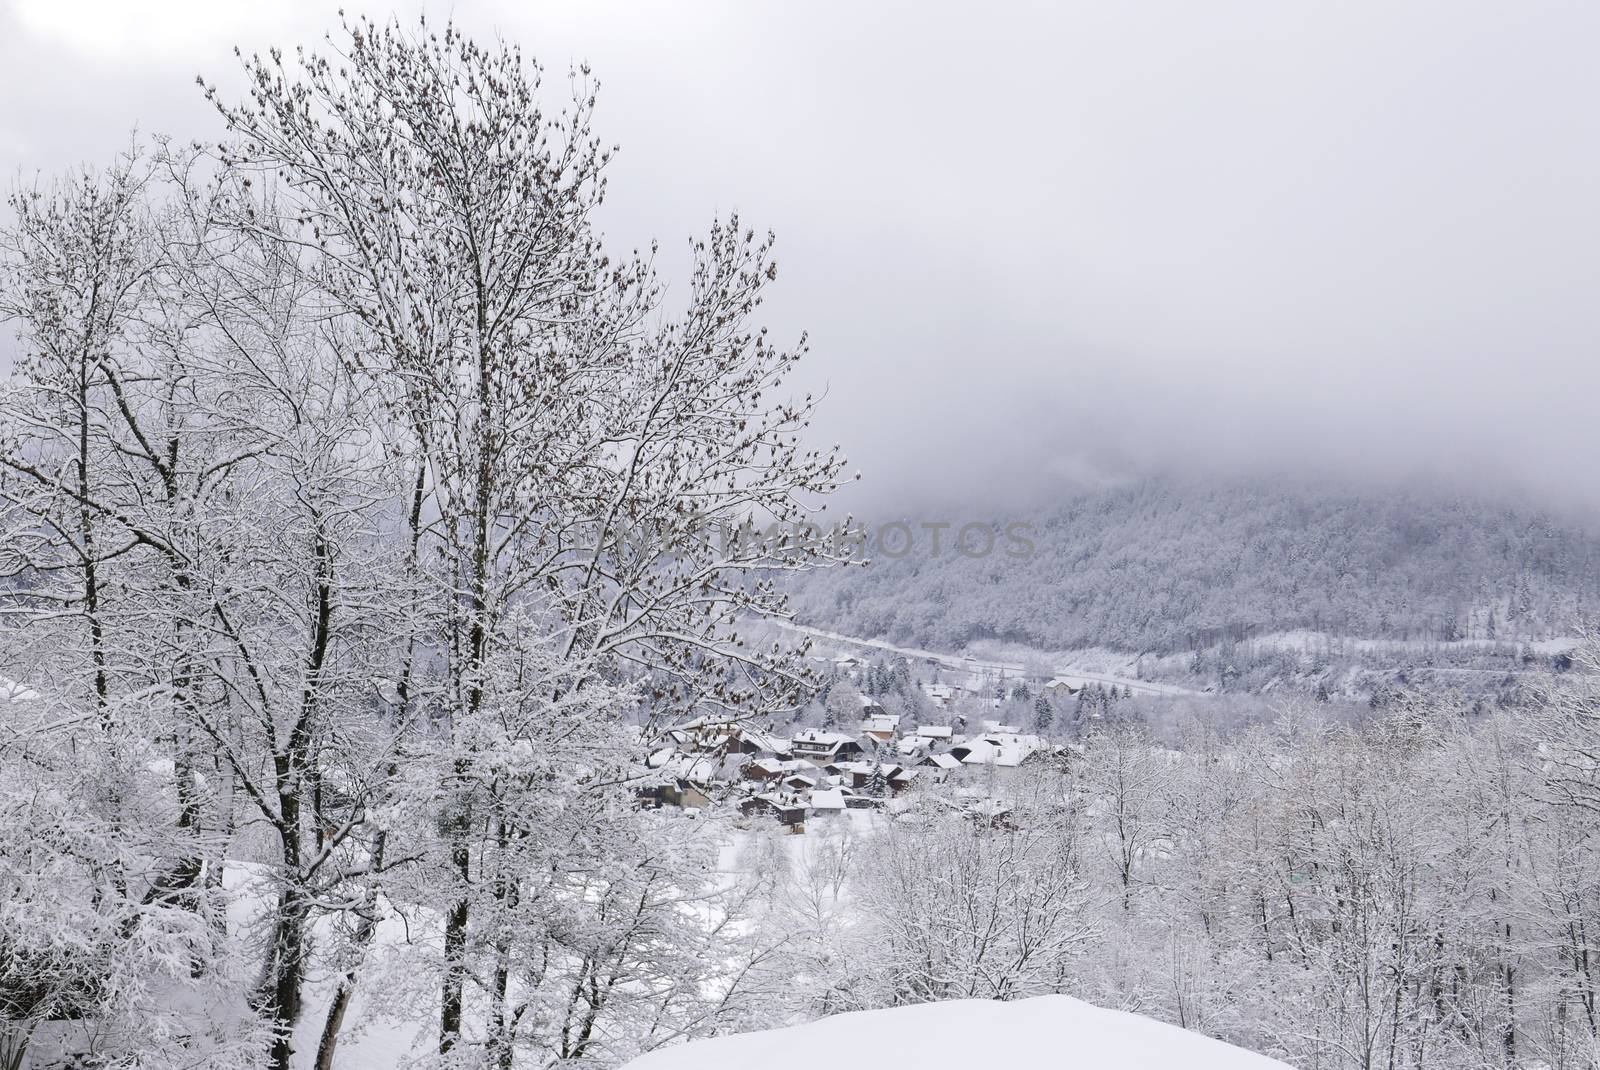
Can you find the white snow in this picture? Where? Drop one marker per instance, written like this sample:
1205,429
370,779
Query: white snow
1047,1032
986,670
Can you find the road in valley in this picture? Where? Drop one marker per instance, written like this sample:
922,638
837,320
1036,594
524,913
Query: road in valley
959,663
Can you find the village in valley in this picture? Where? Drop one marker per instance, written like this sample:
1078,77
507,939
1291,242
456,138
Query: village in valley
878,730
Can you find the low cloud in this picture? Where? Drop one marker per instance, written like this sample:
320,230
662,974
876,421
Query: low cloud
1044,245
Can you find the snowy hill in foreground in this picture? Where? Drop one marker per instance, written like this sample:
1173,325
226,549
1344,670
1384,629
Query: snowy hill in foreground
1054,1032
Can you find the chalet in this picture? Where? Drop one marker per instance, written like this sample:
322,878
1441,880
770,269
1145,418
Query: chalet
827,802
790,810
999,749
764,769
939,694
982,809
941,765
991,813
723,735
1061,687
673,791
823,746
882,727
859,774
913,746
935,733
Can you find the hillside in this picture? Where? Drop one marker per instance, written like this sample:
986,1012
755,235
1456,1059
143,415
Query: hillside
1161,565
1047,1031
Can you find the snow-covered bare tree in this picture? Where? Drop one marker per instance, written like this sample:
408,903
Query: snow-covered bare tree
573,451
980,903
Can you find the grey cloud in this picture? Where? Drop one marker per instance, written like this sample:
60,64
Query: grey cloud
1041,243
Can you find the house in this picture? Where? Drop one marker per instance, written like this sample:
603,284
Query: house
913,746
882,727
991,813
764,769
706,771
673,791
940,765
1061,687
982,809
724,735
827,802
935,733
687,779
939,694
790,810
821,745
859,774
999,749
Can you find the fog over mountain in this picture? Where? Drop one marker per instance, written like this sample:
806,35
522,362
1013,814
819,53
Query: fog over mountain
1043,246
1161,565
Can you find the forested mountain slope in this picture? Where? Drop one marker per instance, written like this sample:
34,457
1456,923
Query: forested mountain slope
1160,565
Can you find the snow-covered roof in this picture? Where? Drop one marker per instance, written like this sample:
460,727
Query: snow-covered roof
827,799
698,768
781,800
882,722
998,748
934,731
710,732
12,691
817,737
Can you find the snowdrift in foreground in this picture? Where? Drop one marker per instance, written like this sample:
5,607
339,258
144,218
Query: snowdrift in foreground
1047,1032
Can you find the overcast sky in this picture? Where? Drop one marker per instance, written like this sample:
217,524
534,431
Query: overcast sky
1043,243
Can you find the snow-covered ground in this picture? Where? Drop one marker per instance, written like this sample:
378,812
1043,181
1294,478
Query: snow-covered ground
1072,673
1303,640
1054,1032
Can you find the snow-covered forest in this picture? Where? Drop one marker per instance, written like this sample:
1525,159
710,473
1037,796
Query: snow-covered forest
1164,564
375,690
